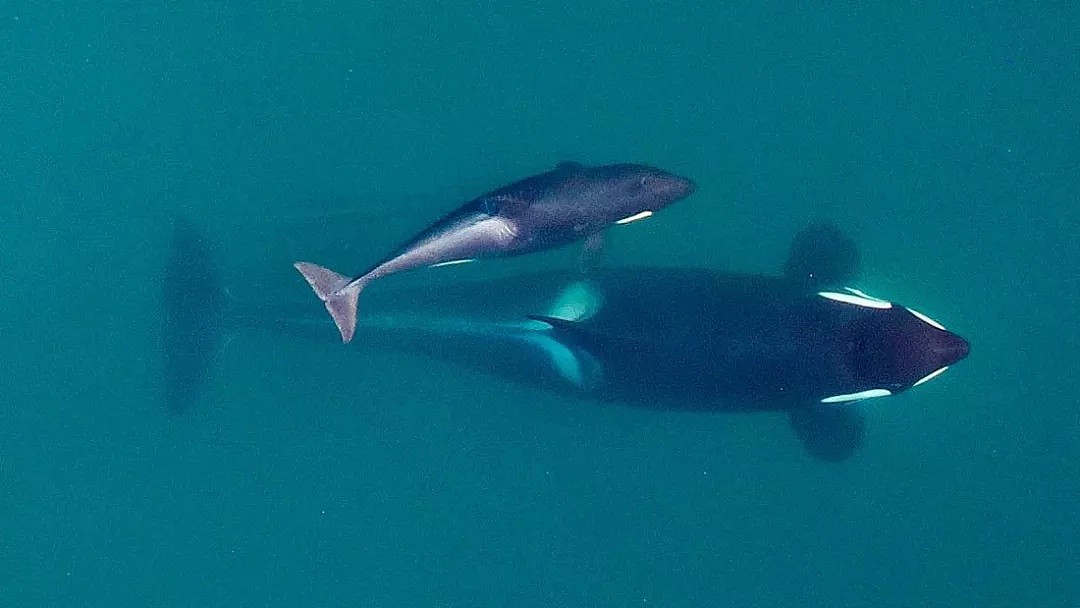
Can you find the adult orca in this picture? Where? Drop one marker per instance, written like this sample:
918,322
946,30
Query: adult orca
663,338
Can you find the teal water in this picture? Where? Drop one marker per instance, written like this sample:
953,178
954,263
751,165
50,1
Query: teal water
944,139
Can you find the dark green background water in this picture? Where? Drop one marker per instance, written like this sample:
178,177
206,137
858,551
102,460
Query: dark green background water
943,139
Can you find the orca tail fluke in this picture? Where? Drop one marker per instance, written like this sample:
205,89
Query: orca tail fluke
192,313
338,293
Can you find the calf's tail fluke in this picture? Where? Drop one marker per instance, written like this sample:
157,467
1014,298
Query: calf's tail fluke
338,292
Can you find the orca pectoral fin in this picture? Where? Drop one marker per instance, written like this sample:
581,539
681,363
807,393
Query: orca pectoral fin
831,434
592,252
822,256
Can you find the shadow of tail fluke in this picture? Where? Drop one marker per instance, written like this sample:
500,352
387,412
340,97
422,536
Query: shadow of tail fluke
191,299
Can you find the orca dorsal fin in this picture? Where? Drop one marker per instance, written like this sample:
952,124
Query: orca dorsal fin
569,350
505,204
557,323
572,330
822,256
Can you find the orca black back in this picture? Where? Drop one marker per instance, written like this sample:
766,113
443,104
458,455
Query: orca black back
695,339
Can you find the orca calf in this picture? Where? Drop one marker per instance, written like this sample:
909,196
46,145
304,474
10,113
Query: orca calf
568,203
662,338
